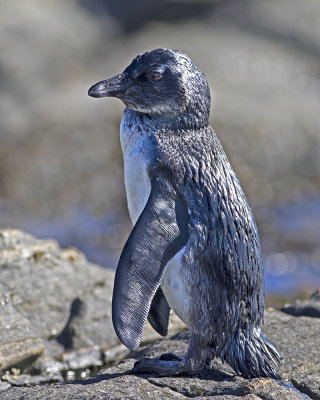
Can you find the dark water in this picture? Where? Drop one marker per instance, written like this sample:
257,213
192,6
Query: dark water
288,274
293,264
291,259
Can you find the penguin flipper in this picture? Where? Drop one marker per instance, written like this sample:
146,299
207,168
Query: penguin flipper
160,232
159,313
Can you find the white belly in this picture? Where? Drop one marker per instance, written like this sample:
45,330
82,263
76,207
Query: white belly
174,287
135,147
135,152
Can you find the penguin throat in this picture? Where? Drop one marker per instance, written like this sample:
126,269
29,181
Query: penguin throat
186,120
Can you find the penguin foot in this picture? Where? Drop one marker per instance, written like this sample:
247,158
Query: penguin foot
157,366
163,367
170,357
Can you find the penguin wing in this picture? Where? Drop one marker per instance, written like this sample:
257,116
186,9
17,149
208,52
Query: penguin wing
160,232
159,313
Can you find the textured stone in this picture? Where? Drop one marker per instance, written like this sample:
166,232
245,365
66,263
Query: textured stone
4,386
306,378
293,336
46,282
297,338
28,380
83,358
54,300
19,343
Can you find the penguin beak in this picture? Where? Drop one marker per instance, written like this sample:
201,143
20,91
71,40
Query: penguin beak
112,87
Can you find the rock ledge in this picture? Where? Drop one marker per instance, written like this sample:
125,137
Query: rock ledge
55,317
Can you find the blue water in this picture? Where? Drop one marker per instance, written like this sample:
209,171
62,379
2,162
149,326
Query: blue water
292,263
288,273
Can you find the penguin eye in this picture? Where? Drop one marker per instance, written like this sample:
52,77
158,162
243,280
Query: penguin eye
156,75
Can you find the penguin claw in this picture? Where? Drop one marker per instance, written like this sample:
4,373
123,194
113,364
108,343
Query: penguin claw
141,361
170,357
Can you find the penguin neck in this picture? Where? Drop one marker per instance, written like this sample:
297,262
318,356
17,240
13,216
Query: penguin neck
175,121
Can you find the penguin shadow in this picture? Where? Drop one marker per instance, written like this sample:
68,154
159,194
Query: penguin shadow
206,375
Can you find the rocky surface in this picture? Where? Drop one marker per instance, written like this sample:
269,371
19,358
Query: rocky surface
55,304
55,319
297,338
19,343
55,310
51,290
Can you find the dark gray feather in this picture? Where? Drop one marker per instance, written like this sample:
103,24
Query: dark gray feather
159,313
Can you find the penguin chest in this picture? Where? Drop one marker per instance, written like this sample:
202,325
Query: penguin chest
135,148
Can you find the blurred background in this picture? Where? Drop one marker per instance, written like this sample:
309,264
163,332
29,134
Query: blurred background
61,171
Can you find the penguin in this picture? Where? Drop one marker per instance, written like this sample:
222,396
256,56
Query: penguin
194,247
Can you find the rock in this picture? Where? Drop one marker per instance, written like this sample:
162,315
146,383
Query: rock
116,353
4,386
47,365
56,306
297,339
306,378
308,308
84,358
55,300
28,380
46,283
19,343
57,303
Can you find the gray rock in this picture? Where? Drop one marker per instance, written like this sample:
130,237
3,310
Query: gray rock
47,365
297,339
57,303
19,343
4,386
55,300
306,378
42,278
84,358
28,380
308,308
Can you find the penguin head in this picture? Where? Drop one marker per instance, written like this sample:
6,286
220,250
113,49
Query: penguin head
161,82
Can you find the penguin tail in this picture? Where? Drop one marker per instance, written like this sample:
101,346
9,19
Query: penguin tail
252,356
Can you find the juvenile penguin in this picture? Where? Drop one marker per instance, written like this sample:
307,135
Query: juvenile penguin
194,247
